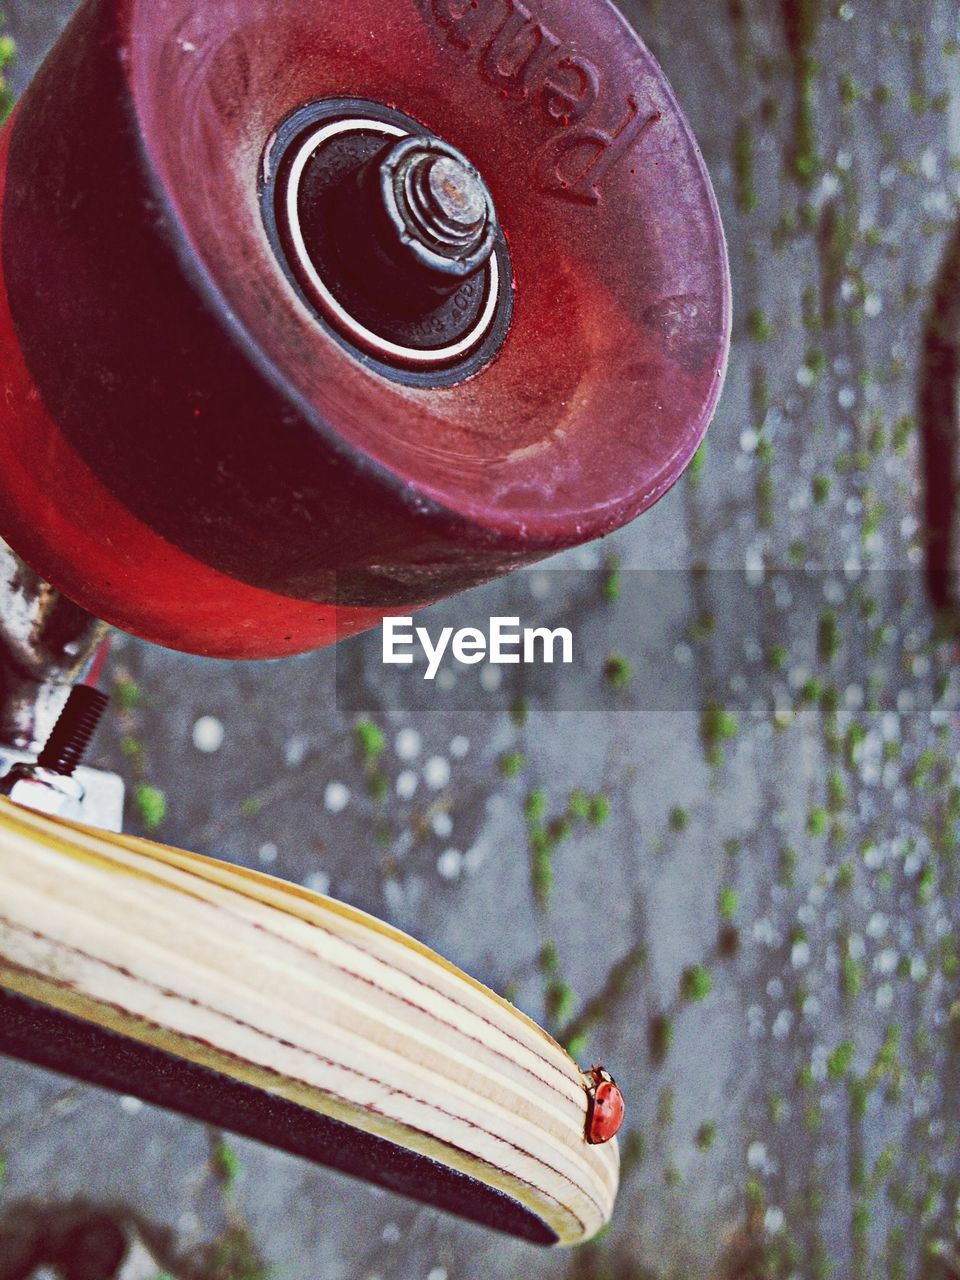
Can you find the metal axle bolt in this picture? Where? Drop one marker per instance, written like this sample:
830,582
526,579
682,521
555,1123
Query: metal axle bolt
439,210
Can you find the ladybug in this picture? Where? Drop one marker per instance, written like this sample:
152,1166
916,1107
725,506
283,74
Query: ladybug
606,1106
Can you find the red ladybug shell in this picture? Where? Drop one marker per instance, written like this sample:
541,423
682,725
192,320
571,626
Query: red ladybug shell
606,1113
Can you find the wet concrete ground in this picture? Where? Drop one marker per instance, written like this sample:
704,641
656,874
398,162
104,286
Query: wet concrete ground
782,826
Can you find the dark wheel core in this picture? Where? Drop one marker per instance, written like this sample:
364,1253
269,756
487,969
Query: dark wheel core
392,238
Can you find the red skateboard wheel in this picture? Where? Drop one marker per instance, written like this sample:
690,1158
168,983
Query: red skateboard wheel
214,445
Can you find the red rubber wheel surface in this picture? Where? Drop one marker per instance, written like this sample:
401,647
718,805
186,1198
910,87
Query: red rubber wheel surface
193,456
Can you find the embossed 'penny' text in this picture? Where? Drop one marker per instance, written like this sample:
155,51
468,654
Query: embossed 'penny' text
530,63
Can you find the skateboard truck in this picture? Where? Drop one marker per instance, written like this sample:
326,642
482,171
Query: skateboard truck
46,717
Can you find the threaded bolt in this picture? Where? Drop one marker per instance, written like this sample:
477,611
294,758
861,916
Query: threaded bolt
73,732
